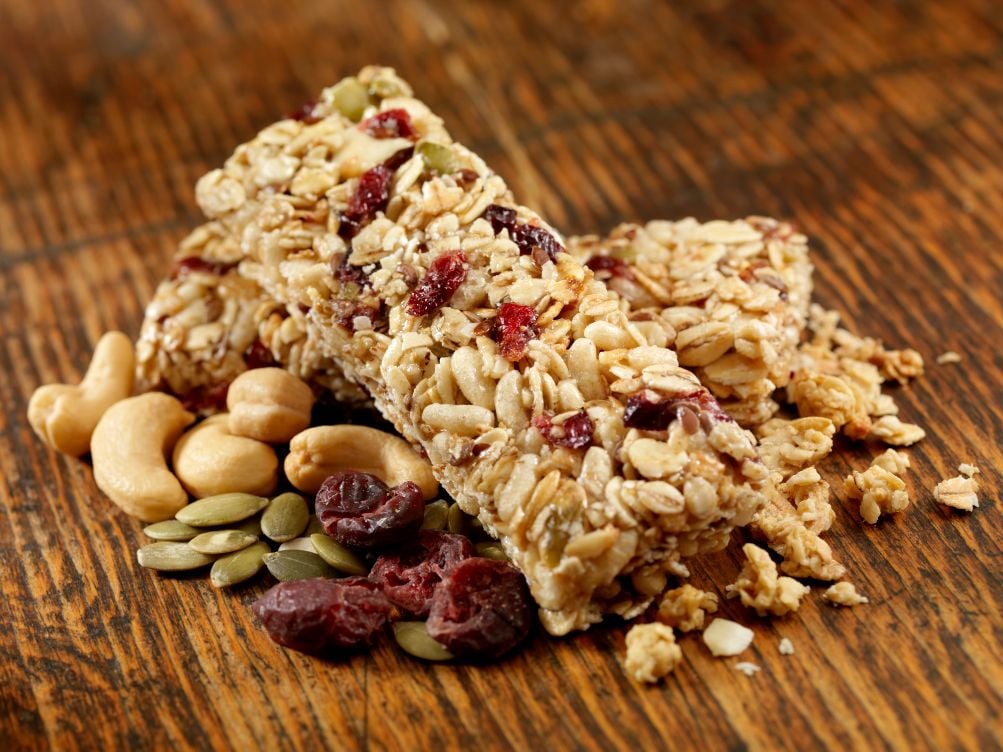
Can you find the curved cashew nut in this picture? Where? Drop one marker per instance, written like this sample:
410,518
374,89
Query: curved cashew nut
64,416
209,460
318,452
268,404
129,448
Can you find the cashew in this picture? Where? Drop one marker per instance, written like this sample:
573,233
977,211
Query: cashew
318,452
209,460
268,404
129,448
64,416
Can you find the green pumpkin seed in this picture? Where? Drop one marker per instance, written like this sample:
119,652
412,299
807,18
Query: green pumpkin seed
458,521
224,509
170,530
313,527
297,565
436,514
386,88
437,157
298,544
414,639
239,566
222,541
285,517
251,525
350,97
491,550
171,556
338,556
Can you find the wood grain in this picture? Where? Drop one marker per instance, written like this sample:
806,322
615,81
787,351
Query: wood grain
876,126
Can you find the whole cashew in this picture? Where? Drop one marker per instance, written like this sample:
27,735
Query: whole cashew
129,448
64,416
318,452
268,404
209,460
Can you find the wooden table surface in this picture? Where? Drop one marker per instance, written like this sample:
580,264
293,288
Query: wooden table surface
877,127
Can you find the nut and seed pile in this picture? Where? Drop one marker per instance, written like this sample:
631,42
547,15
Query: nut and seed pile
597,410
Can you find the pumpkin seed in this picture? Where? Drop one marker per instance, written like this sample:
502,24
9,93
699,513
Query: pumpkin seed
491,550
298,544
285,517
436,514
350,97
222,541
224,509
239,566
297,565
251,525
313,526
171,556
458,521
170,530
438,157
414,639
338,556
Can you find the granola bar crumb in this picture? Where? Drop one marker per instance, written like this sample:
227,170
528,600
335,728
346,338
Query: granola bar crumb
948,358
959,492
804,552
891,430
760,588
652,652
844,594
685,608
878,488
726,638
967,470
810,496
786,647
748,668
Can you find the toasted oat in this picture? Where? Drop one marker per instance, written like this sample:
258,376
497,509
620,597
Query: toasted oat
686,607
748,668
879,489
787,446
892,461
786,647
967,470
960,492
893,431
948,358
844,594
652,652
804,553
810,496
760,588
726,638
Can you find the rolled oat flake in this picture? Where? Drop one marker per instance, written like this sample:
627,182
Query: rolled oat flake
224,509
171,556
239,566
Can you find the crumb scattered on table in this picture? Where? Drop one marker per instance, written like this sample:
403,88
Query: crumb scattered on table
747,668
948,357
652,652
760,588
959,492
686,607
844,594
786,647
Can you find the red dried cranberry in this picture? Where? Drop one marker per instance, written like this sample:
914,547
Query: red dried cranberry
319,615
481,609
370,197
208,397
524,235
305,112
515,326
410,576
395,160
259,356
607,267
441,280
649,412
194,264
358,509
389,124
574,433
347,273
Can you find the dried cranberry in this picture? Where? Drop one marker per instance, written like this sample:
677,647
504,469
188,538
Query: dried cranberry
389,124
194,264
371,196
610,266
206,398
259,356
358,509
347,273
305,112
320,615
410,576
481,609
649,412
395,160
441,280
575,432
515,326
524,235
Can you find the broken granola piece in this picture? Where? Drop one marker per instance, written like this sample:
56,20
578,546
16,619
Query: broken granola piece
879,490
831,397
804,553
891,430
725,638
960,492
809,494
686,607
652,652
787,446
843,594
892,461
761,589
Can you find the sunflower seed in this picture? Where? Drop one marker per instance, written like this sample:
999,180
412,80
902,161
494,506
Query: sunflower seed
238,567
297,565
224,509
170,556
435,515
285,517
491,551
298,544
170,530
338,556
222,541
414,639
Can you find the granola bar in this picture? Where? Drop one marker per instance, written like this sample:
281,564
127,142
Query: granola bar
730,297
590,453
